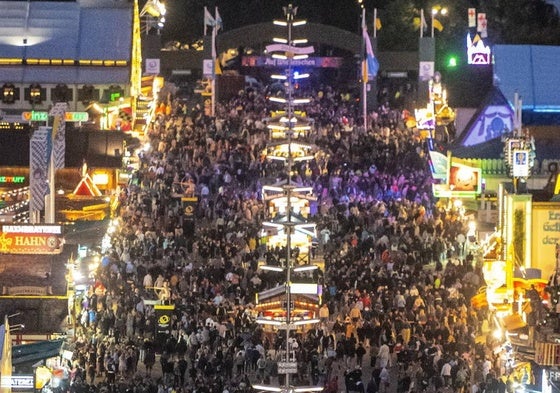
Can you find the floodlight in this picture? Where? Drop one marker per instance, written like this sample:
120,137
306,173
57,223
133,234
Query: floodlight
262,321
302,389
272,268
306,322
305,268
267,388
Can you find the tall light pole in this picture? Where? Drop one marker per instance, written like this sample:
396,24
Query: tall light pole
427,54
438,10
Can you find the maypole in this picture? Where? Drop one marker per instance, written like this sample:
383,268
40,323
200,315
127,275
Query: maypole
136,61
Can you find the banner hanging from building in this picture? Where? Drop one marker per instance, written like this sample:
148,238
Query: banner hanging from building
315,62
38,186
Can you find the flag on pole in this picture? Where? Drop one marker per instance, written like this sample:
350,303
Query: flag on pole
370,63
219,22
420,23
58,146
217,67
38,168
376,23
437,24
472,17
424,24
219,25
482,25
208,20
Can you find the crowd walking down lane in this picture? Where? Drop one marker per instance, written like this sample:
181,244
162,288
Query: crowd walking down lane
396,315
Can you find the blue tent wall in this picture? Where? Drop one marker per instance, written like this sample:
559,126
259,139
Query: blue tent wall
532,72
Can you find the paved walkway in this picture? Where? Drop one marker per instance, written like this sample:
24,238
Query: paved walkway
339,369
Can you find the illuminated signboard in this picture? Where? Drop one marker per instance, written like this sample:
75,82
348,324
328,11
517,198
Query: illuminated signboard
463,178
76,116
463,182
101,179
438,165
32,229
302,288
518,154
520,163
26,243
34,116
315,62
477,52
545,229
44,116
31,239
22,382
12,179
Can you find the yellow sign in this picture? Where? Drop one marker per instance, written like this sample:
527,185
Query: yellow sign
557,185
546,235
24,243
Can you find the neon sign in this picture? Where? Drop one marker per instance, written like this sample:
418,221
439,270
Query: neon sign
44,116
477,52
12,179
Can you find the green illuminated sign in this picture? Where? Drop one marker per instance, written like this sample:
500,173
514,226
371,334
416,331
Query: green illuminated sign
44,116
35,116
12,179
77,116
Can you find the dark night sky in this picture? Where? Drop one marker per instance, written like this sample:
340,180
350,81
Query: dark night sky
185,17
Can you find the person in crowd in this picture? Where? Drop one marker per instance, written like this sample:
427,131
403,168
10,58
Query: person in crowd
381,231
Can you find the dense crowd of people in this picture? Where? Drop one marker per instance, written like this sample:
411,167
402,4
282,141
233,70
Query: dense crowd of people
396,284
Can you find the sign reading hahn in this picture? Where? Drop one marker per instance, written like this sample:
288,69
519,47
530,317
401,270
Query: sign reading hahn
31,239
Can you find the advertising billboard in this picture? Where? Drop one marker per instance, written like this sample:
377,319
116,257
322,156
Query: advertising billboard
545,236
31,239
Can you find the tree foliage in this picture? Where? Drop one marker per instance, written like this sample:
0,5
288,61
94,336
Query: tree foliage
509,21
523,22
